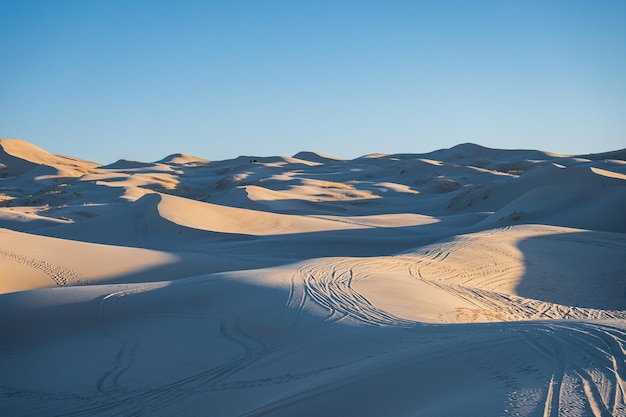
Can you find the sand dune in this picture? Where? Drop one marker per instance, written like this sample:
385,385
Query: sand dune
465,281
18,157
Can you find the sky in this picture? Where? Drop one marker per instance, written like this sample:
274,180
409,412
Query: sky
142,79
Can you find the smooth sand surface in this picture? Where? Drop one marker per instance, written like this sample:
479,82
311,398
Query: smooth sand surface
463,282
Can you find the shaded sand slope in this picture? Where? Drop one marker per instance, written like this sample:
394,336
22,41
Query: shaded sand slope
465,281
244,349
31,261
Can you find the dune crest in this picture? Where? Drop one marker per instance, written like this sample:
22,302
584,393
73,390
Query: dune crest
18,157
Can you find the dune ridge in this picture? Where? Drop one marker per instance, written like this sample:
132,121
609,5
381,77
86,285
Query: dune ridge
463,281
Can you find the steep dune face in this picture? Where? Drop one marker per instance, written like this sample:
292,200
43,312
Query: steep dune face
313,285
18,157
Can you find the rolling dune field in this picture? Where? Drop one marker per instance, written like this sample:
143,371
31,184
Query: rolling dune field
462,282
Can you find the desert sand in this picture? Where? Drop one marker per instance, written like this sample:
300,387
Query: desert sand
462,282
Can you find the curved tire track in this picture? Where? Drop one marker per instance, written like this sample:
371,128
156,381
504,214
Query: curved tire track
149,401
591,358
329,286
489,268
107,311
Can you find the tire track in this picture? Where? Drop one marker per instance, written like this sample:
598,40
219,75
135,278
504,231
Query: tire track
148,401
479,281
592,358
107,311
61,276
297,296
329,286
253,350
514,308
614,357
140,225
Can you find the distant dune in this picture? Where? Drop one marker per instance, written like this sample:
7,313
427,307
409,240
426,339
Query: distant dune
462,282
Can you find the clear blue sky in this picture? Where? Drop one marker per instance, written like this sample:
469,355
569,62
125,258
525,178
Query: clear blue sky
111,79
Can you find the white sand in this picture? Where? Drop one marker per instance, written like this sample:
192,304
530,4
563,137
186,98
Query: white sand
463,282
